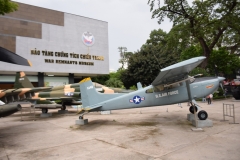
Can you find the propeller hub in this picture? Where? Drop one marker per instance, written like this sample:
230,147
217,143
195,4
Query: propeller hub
220,79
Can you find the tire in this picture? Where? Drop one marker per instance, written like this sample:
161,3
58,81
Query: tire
44,110
64,107
80,117
191,109
202,115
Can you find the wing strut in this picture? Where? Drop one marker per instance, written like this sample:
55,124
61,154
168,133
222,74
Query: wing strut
190,100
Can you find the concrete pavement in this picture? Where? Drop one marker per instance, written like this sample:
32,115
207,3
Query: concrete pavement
141,133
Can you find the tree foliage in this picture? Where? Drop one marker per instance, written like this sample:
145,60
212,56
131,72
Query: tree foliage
114,82
145,64
199,70
101,79
211,23
192,51
110,80
222,62
7,6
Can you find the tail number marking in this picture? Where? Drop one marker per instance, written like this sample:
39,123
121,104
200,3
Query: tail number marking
90,87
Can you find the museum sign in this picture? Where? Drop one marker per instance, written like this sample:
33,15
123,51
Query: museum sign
87,39
67,55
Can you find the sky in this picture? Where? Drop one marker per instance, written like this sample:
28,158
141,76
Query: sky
129,21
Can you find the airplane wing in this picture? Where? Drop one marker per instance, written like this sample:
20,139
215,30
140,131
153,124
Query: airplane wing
10,57
177,72
22,91
54,98
11,95
38,89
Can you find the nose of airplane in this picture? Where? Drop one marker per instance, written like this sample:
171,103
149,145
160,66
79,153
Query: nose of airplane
220,79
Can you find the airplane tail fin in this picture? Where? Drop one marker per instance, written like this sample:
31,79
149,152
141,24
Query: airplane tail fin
91,97
21,81
89,94
139,85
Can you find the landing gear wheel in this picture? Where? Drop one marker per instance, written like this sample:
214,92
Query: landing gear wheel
44,110
63,107
80,117
192,110
202,115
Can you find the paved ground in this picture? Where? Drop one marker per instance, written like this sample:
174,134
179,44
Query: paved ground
146,133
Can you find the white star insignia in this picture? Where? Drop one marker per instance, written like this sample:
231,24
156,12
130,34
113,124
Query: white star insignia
136,100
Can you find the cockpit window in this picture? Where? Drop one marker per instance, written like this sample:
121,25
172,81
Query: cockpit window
175,85
159,88
150,90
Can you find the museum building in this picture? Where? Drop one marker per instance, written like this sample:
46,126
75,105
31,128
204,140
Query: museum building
63,48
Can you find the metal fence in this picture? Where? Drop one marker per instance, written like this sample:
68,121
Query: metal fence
28,112
229,111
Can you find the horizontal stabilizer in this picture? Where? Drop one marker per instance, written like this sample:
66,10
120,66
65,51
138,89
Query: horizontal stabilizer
89,108
92,107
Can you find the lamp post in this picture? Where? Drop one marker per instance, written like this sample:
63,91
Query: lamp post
122,51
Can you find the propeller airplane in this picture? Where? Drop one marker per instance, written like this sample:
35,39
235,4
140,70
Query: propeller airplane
172,85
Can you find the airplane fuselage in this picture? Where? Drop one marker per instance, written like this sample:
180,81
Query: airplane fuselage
170,95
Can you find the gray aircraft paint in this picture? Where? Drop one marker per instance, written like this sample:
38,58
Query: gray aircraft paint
92,100
168,96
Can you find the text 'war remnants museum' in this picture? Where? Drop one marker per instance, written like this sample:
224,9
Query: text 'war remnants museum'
63,48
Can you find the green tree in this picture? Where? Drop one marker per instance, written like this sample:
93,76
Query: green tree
7,6
209,22
114,82
199,70
111,80
177,41
145,65
223,62
117,74
220,61
127,80
157,37
101,79
192,51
